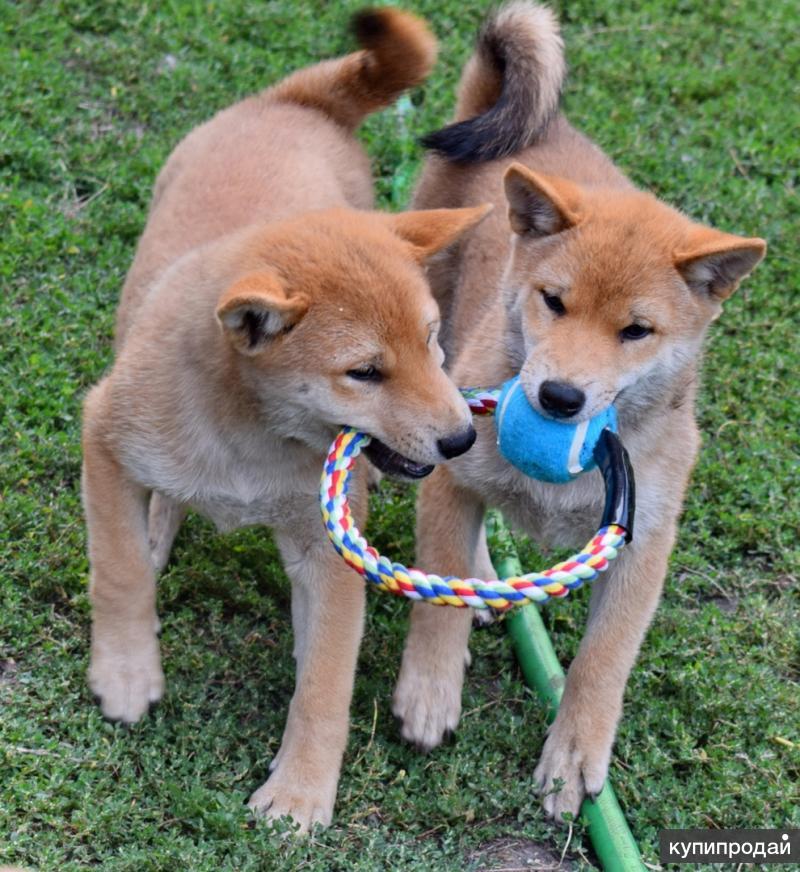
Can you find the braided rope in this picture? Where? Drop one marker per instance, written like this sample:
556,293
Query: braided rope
499,595
481,401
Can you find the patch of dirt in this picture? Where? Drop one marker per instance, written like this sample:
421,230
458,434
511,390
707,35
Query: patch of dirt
784,582
727,604
516,855
8,672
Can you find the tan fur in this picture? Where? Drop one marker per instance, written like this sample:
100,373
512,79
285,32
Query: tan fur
224,175
535,32
256,290
568,224
396,57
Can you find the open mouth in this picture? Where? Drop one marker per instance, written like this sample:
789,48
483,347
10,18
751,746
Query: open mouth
392,463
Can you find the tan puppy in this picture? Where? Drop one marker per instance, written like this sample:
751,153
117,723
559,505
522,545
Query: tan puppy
251,328
596,292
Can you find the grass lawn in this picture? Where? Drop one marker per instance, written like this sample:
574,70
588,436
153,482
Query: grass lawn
699,102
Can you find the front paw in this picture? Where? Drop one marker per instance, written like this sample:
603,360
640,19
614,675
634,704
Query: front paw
287,794
427,701
126,675
574,763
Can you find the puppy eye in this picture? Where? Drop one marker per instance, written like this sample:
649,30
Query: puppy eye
365,373
635,331
554,303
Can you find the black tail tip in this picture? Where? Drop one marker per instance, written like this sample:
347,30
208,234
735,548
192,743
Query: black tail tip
369,25
466,142
443,143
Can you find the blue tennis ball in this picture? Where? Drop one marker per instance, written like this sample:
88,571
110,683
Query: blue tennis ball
542,448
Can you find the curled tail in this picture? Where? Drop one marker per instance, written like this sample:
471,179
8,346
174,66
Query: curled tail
510,89
398,52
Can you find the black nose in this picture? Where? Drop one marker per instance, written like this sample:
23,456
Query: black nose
452,446
560,399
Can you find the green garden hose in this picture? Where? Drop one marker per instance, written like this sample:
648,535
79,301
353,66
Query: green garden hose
608,830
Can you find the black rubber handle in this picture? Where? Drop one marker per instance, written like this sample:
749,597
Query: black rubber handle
615,465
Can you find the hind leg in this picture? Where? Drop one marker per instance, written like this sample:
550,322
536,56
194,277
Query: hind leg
165,517
125,668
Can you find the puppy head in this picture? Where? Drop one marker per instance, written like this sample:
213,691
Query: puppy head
609,292
333,324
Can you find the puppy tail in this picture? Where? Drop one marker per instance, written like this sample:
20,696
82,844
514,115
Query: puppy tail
510,88
398,52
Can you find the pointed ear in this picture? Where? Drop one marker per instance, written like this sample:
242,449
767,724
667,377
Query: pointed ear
540,205
256,309
431,230
713,263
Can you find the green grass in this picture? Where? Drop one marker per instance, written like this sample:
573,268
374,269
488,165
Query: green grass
698,101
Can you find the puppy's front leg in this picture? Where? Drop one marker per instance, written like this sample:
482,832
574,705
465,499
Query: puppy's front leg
165,517
450,541
328,615
125,667
578,746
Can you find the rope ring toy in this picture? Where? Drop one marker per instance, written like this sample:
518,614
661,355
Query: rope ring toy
498,595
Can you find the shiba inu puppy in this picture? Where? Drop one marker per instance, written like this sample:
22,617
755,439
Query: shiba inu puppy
263,310
596,292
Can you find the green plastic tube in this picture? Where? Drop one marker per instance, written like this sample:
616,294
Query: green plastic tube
608,830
